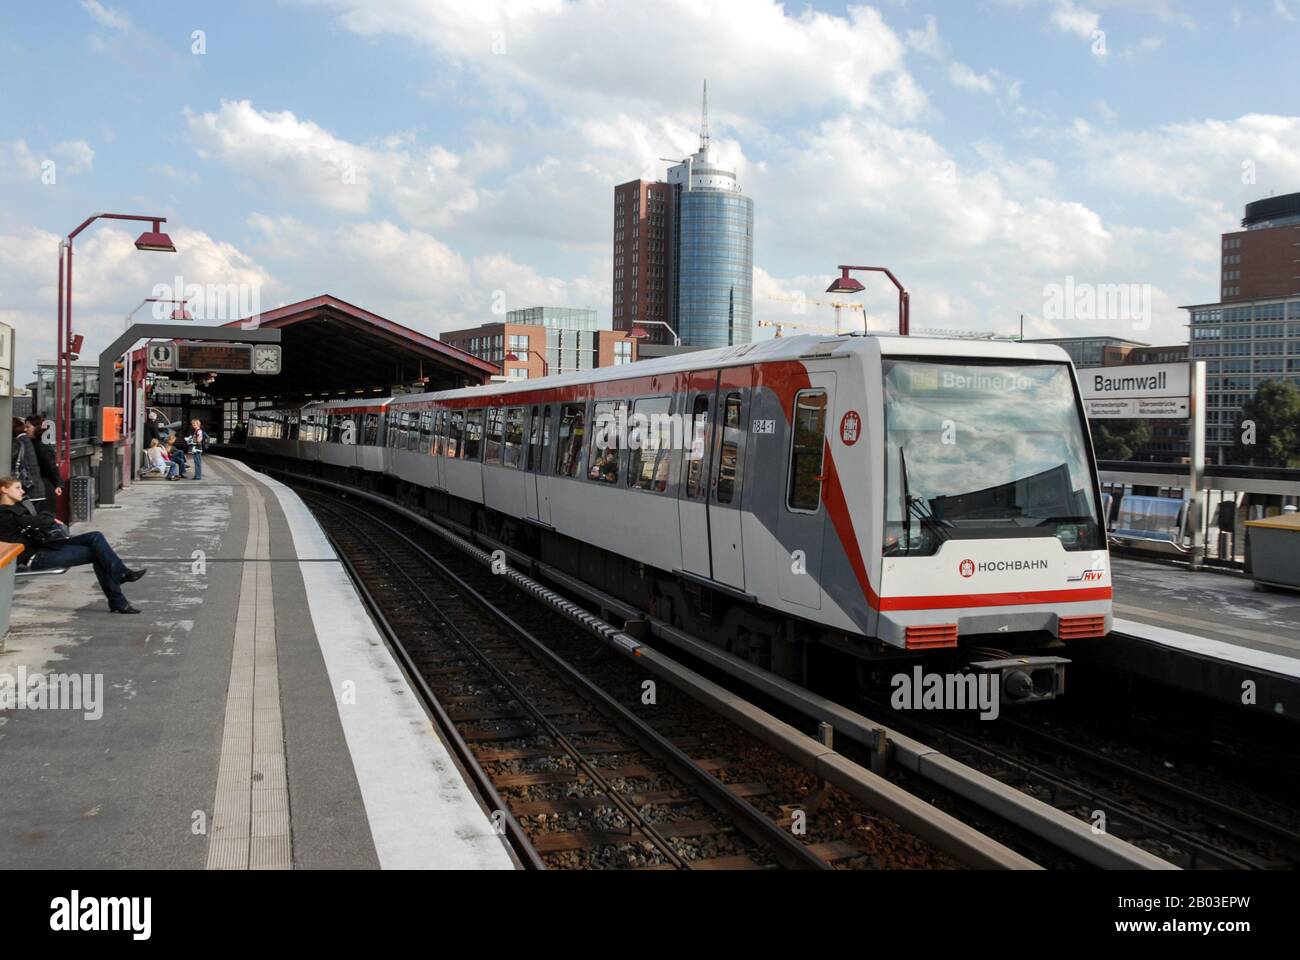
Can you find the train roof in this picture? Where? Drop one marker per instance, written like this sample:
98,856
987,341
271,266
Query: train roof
805,346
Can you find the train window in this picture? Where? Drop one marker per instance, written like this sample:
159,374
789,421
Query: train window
807,446
426,429
513,441
439,433
695,453
608,420
293,428
728,478
650,437
472,447
413,430
534,458
455,433
391,439
573,430
370,429
492,448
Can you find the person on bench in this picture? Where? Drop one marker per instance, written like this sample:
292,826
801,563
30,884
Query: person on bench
48,545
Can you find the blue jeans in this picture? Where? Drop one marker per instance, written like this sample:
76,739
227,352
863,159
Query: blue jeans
198,464
88,548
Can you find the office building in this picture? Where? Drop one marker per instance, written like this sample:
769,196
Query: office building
543,341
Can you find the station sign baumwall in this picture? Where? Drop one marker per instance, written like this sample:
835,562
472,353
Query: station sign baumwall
1153,391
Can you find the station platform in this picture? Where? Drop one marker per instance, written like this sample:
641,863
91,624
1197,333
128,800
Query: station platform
1205,632
251,716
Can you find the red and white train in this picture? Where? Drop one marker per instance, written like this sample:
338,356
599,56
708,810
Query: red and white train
888,497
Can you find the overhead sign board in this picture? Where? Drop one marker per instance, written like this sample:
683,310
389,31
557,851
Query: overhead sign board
1156,391
197,356
161,356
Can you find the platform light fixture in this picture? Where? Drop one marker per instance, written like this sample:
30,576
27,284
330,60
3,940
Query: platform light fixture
847,284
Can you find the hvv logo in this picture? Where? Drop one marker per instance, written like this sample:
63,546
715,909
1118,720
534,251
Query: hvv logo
1088,576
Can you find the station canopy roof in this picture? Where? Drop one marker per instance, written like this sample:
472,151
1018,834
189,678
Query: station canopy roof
332,349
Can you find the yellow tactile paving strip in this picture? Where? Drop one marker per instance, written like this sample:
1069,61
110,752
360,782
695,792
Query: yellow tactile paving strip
250,820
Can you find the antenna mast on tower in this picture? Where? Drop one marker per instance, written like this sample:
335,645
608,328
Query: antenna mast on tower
704,122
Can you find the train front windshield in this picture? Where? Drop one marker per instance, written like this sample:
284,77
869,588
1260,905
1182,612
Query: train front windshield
977,450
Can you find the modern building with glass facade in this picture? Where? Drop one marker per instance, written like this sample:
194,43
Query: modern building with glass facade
545,341
1253,333
684,253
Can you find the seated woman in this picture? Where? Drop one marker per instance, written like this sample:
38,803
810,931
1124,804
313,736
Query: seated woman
158,461
48,545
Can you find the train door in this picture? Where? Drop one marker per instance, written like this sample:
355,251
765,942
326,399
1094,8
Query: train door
537,493
692,502
801,521
726,550
531,509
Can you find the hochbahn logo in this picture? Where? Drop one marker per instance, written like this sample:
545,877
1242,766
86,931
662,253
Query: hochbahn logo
968,568
850,428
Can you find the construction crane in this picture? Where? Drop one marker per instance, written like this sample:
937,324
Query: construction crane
837,304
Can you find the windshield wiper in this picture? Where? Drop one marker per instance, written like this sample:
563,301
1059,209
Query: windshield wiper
916,505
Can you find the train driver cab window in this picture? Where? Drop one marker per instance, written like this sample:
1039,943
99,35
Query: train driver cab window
472,448
650,437
697,445
807,445
607,420
573,431
455,433
732,437
492,445
512,443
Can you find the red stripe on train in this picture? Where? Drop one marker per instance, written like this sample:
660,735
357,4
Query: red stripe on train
995,599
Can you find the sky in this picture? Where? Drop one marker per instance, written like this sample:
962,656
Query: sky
436,160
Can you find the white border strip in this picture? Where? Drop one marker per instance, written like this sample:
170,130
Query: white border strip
1215,649
422,813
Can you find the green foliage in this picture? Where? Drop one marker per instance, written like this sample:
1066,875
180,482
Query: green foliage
1271,418
1119,439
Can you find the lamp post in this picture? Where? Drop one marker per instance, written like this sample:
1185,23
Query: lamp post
846,284
68,346
514,358
639,332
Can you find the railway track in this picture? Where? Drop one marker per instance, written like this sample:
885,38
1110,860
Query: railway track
576,779
1175,822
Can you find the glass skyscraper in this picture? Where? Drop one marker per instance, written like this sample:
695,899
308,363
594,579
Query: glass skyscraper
712,252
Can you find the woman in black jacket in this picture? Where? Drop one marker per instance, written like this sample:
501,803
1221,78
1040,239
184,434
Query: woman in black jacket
48,545
45,456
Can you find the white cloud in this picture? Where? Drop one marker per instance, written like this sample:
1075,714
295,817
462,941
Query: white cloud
307,162
964,78
17,162
927,41
1283,11
760,58
1068,18
106,16
414,278
77,155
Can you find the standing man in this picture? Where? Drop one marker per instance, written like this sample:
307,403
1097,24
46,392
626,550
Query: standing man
45,458
195,444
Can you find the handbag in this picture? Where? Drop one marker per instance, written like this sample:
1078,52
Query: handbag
40,538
